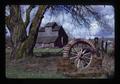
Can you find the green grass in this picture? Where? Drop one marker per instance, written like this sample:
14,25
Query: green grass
18,72
44,51
48,51
15,72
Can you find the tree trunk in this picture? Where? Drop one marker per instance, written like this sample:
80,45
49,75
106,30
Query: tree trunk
22,44
26,47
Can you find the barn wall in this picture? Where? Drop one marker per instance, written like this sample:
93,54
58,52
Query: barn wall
57,43
46,34
61,34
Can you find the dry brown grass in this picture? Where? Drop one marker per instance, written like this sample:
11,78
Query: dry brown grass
50,65
106,70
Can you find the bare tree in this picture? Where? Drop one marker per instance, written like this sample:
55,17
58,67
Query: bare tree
22,44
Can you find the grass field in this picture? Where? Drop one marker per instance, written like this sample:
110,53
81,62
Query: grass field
45,67
47,49
39,69
48,52
16,72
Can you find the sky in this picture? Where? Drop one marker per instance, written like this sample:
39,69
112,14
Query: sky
78,31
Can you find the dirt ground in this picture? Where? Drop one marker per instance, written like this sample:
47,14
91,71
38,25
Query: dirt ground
48,65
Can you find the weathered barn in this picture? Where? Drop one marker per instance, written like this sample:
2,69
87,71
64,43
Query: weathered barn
52,35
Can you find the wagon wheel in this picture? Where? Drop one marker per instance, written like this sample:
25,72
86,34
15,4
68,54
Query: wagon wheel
80,54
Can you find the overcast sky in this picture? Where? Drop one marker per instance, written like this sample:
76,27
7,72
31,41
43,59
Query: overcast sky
79,31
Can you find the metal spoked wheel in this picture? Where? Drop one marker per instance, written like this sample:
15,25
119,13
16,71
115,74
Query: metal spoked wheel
80,54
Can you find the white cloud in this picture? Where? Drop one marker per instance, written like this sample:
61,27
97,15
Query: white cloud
104,9
66,21
79,31
94,28
109,16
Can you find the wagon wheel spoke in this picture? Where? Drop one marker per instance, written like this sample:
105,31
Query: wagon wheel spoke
78,63
75,61
86,57
86,54
83,51
74,50
73,53
81,64
80,55
79,47
86,62
73,57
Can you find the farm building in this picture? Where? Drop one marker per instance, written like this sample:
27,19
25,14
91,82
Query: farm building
52,35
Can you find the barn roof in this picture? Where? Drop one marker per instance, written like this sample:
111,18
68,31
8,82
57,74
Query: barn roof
48,39
51,24
43,37
54,26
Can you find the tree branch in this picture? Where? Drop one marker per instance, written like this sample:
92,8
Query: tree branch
33,32
16,24
7,22
28,14
37,18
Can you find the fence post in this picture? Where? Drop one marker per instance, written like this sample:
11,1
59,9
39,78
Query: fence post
96,43
106,45
102,47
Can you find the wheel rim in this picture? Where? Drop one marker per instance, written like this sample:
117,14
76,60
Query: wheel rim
81,55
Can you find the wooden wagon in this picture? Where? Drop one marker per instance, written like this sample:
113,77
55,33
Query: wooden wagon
82,53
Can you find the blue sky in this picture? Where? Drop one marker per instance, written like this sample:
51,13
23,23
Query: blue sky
79,31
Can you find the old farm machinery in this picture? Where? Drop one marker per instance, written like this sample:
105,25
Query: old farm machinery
81,53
